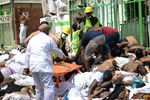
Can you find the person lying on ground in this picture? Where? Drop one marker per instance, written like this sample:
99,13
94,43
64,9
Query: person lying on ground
145,72
124,64
138,50
96,87
84,80
128,41
127,79
14,65
145,59
106,65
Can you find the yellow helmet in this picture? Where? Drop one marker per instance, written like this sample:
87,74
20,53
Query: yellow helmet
88,9
66,30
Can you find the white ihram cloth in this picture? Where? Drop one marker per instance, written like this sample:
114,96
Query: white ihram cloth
22,34
22,79
4,57
121,61
146,78
83,80
17,63
144,89
63,87
75,94
40,63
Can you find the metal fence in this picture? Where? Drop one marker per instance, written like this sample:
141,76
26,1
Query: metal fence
6,34
5,11
129,17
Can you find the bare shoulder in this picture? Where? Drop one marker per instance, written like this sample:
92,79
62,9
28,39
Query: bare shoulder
145,59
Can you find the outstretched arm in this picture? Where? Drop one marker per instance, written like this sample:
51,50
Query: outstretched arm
92,87
55,38
102,88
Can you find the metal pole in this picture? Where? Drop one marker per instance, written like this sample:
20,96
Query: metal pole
149,21
140,22
12,18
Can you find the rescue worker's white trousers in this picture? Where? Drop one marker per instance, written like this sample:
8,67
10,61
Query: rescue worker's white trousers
44,86
22,34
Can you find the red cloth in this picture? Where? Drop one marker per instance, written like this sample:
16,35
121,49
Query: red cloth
106,30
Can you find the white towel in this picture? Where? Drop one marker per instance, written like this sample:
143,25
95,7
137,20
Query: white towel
75,94
144,89
121,61
4,57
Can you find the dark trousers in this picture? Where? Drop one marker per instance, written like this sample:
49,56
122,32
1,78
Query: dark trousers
111,41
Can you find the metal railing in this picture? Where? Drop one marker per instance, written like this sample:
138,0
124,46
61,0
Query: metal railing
5,10
129,17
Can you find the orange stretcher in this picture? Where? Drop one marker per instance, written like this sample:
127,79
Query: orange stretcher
62,68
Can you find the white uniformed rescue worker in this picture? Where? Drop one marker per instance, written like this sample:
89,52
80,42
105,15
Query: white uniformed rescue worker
39,60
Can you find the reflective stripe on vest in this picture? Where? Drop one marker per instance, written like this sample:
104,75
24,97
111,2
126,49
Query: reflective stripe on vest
88,24
75,41
61,42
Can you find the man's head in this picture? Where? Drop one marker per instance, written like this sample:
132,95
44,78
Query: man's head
107,76
44,28
75,26
139,53
65,32
117,78
88,11
141,70
19,10
116,51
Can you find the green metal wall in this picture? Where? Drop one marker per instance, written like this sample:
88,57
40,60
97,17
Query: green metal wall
128,16
6,34
3,10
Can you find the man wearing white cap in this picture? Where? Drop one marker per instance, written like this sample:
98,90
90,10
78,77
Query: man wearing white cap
39,61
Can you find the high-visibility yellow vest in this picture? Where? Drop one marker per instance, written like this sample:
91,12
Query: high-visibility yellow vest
60,45
75,41
61,41
88,24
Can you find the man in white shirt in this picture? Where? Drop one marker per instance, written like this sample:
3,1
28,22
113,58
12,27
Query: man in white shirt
39,61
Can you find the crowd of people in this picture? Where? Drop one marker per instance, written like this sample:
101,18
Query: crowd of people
112,68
